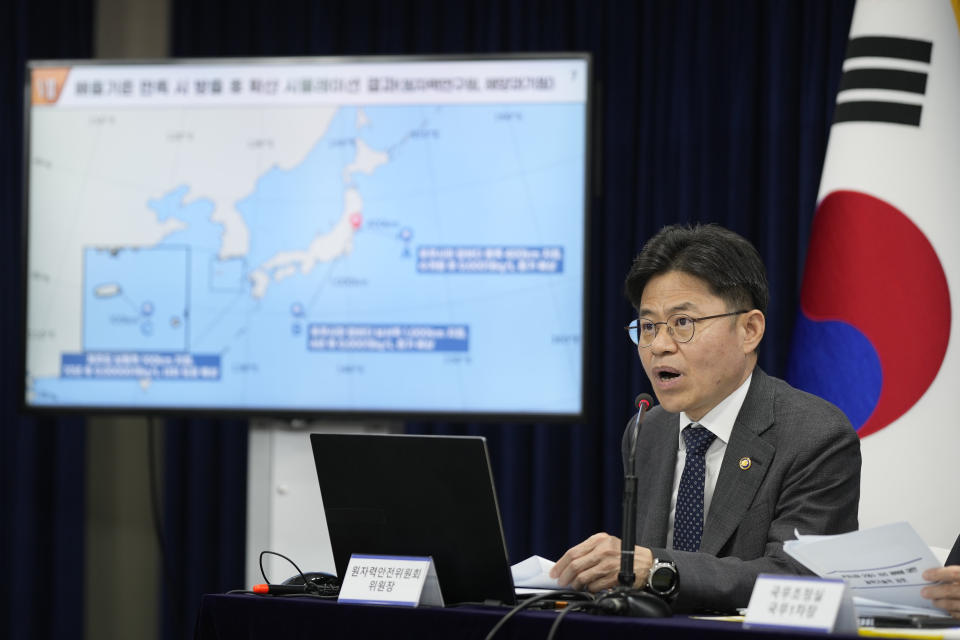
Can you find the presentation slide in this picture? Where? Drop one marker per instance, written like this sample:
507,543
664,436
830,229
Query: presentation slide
400,236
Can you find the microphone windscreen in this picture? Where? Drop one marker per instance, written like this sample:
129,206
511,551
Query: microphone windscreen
645,399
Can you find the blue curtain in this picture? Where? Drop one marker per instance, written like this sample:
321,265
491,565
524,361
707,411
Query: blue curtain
204,516
41,458
705,111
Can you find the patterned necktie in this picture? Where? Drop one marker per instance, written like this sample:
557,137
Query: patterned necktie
688,517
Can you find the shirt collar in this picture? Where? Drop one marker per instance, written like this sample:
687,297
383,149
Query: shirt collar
720,419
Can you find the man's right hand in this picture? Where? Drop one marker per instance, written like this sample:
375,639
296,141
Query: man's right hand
594,564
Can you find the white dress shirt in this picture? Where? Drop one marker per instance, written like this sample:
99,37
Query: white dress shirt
718,421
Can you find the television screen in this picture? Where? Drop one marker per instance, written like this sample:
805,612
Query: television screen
400,236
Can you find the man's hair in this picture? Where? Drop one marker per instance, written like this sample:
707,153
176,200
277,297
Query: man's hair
725,261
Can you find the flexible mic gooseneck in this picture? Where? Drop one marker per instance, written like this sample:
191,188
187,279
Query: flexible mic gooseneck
625,599
629,538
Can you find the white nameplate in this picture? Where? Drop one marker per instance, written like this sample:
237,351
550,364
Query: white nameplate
800,602
399,580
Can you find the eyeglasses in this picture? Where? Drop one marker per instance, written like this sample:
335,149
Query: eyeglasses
680,327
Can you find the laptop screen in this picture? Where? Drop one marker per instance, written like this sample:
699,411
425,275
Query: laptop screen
417,496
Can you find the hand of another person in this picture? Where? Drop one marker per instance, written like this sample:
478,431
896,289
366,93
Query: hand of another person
594,564
945,595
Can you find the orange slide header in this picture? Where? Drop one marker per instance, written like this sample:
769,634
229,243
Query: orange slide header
47,83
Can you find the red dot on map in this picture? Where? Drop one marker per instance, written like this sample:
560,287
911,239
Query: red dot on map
356,219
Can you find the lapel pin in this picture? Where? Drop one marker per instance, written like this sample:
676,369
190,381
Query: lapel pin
745,463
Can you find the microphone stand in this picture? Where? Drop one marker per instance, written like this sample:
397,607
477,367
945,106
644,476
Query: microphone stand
629,538
625,599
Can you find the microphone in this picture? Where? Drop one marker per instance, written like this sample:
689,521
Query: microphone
629,539
625,599
279,589
642,403
313,582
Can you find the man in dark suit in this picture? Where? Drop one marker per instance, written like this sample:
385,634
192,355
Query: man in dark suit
946,595
733,461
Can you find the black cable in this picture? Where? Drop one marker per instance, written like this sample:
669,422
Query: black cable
318,596
264,574
561,594
563,614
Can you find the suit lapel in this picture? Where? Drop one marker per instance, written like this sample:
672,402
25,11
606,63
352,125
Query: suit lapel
736,487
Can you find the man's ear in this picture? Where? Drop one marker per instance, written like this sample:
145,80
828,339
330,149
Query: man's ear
752,324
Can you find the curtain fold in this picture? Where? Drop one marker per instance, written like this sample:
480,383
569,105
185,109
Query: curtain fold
41,457
204,516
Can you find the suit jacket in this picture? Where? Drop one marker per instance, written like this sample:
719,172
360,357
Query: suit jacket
804,474
954,557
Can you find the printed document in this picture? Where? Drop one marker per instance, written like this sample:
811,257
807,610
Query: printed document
883,566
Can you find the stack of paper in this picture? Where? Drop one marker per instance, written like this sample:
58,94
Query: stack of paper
882,567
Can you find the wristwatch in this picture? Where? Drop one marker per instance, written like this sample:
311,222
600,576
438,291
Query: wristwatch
663,579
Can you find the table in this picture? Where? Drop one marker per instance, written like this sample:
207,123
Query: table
223,617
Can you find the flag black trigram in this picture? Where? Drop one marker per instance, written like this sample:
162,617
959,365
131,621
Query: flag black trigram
896,64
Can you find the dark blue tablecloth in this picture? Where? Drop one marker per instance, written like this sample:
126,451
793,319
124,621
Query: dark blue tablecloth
225,617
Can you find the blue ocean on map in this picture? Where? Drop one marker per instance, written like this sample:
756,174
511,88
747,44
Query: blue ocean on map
453,176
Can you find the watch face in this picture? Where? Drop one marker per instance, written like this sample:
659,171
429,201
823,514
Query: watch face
662,580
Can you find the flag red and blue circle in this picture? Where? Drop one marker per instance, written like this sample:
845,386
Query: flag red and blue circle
874,318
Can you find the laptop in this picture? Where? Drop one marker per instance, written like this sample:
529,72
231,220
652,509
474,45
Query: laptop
411,495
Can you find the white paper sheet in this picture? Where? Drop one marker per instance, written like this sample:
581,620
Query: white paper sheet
882,564
534,573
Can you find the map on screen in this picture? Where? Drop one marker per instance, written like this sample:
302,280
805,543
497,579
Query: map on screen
399,236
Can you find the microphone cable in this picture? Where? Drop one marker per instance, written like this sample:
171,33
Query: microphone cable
562,594
274,553
577,606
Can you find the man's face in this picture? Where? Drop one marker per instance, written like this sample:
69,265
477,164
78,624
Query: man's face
695,376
